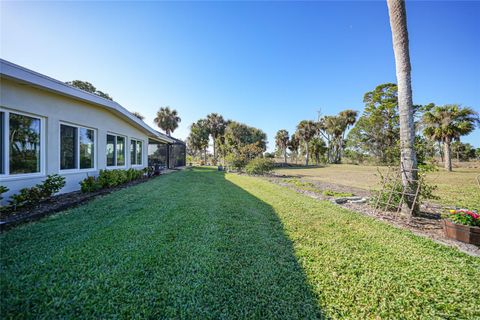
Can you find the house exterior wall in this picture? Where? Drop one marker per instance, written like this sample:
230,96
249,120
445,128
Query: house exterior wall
54,110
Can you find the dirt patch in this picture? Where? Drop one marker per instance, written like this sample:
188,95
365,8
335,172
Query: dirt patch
429,224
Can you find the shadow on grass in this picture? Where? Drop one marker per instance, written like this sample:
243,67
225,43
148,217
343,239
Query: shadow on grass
190,245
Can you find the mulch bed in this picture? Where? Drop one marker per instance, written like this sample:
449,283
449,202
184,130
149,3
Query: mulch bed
428,224
56,204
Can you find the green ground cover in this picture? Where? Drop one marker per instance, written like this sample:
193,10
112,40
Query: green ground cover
201,244
457,188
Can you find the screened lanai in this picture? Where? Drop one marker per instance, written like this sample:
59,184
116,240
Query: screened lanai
166,155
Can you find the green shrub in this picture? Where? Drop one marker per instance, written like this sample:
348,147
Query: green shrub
235,162
111,178
259,166
90,184
122,176
3,189
43,191
52,185
108,178
133,174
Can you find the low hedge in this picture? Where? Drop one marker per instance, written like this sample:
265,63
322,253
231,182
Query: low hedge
34,195
259,166
110,179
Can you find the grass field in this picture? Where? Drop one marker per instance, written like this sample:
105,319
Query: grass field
201,244
457,188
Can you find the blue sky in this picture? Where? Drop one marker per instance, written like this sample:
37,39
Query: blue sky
267,64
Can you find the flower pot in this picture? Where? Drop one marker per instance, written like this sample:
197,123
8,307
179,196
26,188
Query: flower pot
467,234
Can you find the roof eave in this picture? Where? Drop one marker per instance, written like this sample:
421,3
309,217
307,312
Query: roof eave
18,73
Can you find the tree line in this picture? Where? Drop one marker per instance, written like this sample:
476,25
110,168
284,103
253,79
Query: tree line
375,135
234,143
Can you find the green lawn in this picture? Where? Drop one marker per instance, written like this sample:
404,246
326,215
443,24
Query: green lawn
199,244
457,188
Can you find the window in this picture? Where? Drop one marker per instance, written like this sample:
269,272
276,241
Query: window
24,144
136,152
76,147
68,147
2,141
87,148
110,150
120,151
115,150
21,143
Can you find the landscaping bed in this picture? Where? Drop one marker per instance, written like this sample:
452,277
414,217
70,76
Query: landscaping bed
55,204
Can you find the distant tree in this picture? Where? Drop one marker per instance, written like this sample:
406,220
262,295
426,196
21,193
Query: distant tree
424,149
198,138
317,149
281,141
463,151
88,87
138,115
307,130
293,145
333,129
377,131
103,95
447,124
216,126
82,85
167,120
238,136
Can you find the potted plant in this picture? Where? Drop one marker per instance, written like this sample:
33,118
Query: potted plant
463,225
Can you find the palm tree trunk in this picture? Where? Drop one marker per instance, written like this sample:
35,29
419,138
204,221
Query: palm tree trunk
448,156
440,147
285,155
214,152
307,155
398,24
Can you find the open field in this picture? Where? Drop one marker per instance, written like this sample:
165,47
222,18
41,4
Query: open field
457,188
202,244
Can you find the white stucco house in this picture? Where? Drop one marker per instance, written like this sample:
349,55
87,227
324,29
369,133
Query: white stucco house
48,127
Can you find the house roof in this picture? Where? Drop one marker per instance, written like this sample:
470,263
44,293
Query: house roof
18,73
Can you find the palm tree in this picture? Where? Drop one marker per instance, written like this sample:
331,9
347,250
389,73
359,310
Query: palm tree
307,129
198,138
216,126
294,144
349,117
281,140
448,123
317,148
408,158
167,120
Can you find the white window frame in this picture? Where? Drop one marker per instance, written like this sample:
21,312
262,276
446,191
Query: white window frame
6,176
143,146
115,153
95,154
